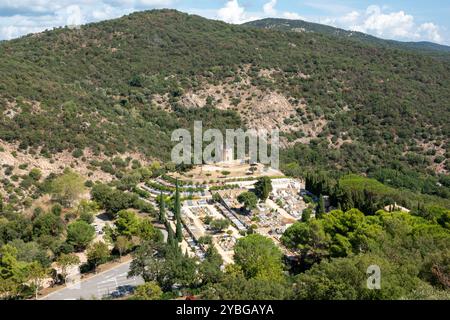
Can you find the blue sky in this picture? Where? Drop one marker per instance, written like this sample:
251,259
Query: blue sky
412,20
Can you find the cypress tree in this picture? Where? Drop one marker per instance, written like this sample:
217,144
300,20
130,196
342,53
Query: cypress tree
177,201
170,235
320,211
263,188
179,231
162,209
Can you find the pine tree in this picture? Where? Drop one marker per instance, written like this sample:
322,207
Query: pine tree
162,209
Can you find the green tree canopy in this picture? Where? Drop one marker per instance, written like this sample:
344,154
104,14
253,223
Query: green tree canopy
47,224
122,245
234,285
86,210
13,273
209,268
36,275
346,279
248,199
147,232
258,257
80,234
67,188
97,254
113,200
127,223
263,188
65,261
147,291
306,214
165,264
219,225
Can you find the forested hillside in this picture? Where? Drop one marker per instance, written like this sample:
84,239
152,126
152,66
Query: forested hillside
126,84
304,26
86,117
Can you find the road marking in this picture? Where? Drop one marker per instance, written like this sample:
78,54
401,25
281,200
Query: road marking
86,280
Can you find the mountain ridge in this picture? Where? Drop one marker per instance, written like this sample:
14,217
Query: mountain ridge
298,25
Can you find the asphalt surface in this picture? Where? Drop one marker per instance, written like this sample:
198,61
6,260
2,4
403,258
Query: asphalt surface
113,282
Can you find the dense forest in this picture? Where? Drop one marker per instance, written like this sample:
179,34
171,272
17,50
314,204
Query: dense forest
96,87
120,86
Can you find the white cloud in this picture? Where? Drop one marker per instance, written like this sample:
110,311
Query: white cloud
377,21
154,2
30,6
394,24
74,15
327,6
20,17
138,3
232,13
351,17
269,8
292,16
15,26
431,31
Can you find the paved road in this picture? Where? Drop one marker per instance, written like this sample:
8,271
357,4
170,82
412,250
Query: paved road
112,282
